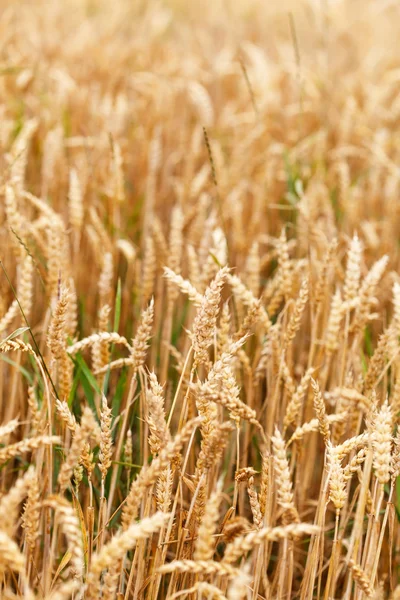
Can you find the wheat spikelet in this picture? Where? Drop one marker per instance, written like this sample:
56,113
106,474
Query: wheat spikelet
8,428
10,554
381,437
354,464
323,274
110,338
202,102
148,270
159,434
351,396
253,269
78,476
251,319
202,587
114,550
10,315
106,279
246,543
148,475
377,362
314,425
367,291
361,578
204,567
164,490
226,392
128,448
212,448
254,503
127,250
184,285
14,345
27,445
264,485
71,527
86,459
43,207
353,269
56,337
139,343
82,433
245,295
208,410
114,364
100,351
110,582
319,407
235,527
65,414
294,405
10,502
335,319
295,318
204,324
35,415
56,253
75,201
160,242
337,491
282,475
31,515
204,549
238,588
105,439
287,380
351,444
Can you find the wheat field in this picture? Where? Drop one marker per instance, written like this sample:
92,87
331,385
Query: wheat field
200,300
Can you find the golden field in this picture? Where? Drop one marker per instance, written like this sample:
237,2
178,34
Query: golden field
200,307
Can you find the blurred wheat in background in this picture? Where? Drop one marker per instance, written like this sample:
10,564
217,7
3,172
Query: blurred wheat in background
200,300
